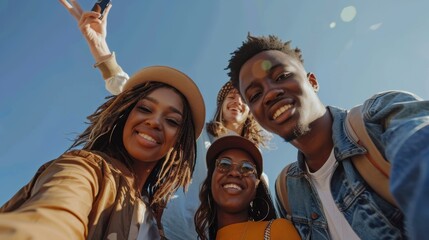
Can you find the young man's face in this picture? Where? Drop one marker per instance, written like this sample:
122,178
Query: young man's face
279,94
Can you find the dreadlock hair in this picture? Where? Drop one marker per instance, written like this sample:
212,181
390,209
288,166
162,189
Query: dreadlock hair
251,129
261,209
104,134
254,45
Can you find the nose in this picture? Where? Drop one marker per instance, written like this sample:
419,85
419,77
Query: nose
234,171
237,99
272,95
153,122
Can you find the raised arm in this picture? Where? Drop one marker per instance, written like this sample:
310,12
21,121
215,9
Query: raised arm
94,31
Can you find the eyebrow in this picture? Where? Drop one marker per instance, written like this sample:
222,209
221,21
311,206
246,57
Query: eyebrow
240,161
171,108
273,68
268,71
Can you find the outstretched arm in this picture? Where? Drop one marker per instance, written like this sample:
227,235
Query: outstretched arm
94,31
58,201
405,134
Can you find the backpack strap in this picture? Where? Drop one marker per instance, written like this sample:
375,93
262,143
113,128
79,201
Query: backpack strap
281,191
372,166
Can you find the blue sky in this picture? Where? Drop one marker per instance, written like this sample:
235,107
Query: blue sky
48,84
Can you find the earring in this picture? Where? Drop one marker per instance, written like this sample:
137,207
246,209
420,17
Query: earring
256,210
114,127
111,133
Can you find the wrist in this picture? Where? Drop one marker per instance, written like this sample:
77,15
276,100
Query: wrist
99,50
108,66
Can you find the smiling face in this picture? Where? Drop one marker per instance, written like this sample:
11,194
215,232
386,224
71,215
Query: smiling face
234,110
233,192
279,94
153,124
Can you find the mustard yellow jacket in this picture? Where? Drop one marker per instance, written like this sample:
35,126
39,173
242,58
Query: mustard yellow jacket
80,195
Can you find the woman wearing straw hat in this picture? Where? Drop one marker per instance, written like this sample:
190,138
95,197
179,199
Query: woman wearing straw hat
138,150
231,117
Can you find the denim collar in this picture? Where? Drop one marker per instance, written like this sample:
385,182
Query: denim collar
344,145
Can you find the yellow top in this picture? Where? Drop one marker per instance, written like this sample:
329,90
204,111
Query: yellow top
280,229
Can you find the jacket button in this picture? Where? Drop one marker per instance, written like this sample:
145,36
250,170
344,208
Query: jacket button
314,216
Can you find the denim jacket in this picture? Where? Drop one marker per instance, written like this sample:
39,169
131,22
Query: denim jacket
370,216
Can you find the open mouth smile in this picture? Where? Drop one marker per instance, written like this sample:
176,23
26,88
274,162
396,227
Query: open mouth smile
281,110
232,186
147,137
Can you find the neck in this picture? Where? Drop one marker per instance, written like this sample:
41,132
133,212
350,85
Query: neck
236,127
225,219
317,144
142,171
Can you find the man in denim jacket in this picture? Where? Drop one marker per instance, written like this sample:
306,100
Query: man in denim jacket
328,197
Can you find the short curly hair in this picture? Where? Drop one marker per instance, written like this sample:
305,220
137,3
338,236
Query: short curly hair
254,45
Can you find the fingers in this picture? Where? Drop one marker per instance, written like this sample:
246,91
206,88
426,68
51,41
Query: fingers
70,9
106,12
76,6
65,4
89,18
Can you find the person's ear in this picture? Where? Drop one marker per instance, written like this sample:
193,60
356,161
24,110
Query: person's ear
313,81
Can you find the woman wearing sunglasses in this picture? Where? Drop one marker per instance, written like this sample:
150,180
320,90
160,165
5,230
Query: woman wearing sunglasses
235,203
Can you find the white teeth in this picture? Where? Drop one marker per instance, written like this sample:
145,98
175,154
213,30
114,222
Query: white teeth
235,109
147,137
281,110
232,185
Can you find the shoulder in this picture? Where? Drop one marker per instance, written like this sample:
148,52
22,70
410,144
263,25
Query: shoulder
82,155
291,169
82,158
75,161
94,162
393,95
386,99
384,105
283,227
281,222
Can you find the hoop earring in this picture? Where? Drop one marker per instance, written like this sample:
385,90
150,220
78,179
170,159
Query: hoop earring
114,127
256,212
111,133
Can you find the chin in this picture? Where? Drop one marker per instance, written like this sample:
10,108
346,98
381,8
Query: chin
297,132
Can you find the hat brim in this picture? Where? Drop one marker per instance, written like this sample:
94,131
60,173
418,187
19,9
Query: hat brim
235,142
179,81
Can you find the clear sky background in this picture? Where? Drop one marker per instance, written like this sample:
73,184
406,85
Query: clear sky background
48,85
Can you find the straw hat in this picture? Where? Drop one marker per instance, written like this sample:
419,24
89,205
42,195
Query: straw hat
179,81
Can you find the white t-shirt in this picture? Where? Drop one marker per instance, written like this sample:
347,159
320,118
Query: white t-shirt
338,226
148,229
